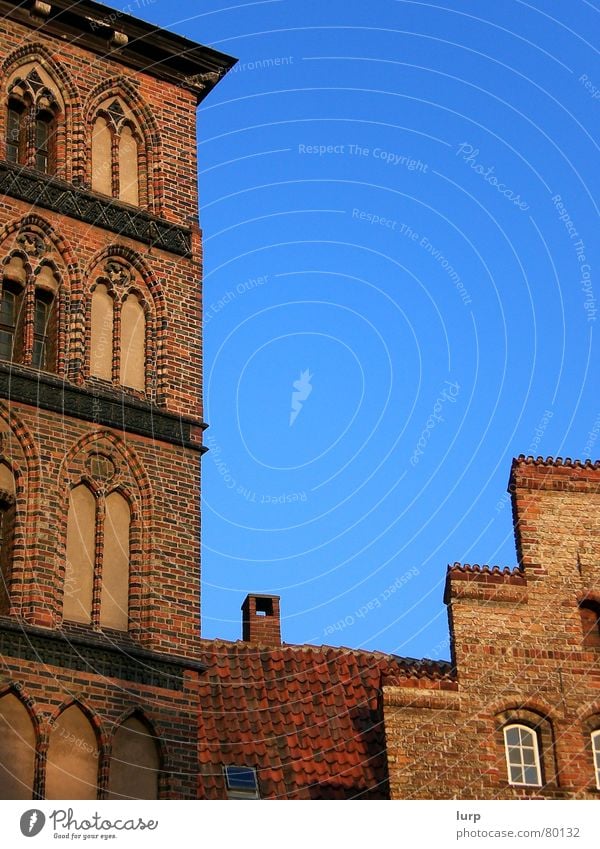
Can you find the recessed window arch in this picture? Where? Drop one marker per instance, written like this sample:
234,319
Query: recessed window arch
521,745
135,761
119,328
96,586
33,111
7,532
17,749
118,153
28,313
72,758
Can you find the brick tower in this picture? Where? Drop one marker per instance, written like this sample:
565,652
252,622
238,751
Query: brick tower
100,411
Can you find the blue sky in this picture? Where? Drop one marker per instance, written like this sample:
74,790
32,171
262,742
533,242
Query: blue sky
399,202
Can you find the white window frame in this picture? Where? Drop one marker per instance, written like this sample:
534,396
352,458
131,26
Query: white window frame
595,737
536,753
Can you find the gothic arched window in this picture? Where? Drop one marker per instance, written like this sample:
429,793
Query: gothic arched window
32,114
96,588
135,762
118,329
28,324
117,143
17,749
72,759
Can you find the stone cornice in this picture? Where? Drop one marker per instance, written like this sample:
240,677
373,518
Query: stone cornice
117,36
107,213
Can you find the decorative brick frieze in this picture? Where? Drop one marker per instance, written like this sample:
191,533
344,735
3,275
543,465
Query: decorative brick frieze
108,213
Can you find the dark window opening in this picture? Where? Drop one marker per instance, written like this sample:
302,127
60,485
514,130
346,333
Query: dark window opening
7,521
590,623
15,133
42,354
10,303
44,134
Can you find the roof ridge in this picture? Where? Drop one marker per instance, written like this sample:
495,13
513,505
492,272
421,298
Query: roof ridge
530,460
485,569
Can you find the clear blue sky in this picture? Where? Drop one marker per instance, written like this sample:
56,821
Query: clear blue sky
379,191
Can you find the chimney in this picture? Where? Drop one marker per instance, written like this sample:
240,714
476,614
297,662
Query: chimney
261,622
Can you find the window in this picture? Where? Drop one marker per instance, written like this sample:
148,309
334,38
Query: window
96,589
31,123
116,143
522,755
15,133
17,749
596,753
118,324
135,762
590,623
7,529
27,322
241,782
72,760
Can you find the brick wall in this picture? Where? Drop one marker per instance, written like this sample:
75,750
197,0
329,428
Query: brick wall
517,646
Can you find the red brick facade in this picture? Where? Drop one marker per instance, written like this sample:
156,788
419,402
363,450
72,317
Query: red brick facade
312,722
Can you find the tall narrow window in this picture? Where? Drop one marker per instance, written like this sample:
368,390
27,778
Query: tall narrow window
102,170
17,749
15,133
43,337
114,607
133,342
596,753
72,760
7,530
134,764
522,755
101,340
8,319
96,587
44,142
81,547
128,166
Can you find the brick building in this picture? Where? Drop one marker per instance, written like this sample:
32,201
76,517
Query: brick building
106,688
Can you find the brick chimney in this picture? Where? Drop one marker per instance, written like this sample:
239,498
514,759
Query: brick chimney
261,622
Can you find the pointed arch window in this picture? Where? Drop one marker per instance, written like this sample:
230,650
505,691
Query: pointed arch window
72,759
32,113
17,749
7,531
118,332
28,324
117,161
590,623
96,588
135,762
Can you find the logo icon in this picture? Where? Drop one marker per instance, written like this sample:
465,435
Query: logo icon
303,389
32,822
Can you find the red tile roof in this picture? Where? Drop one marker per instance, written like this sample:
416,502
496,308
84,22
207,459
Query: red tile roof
307,718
